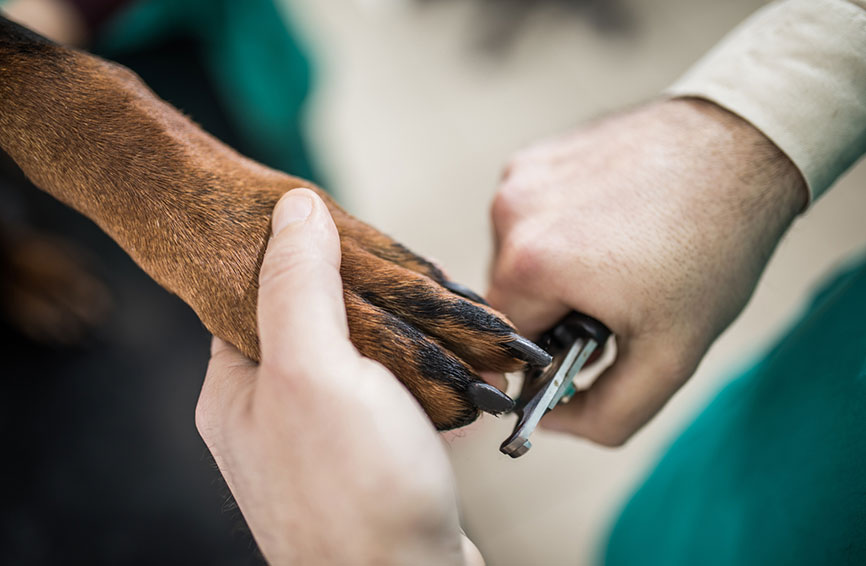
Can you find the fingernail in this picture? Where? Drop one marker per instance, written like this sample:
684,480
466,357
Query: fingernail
293,207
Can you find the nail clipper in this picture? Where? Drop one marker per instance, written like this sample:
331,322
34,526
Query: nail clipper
571,343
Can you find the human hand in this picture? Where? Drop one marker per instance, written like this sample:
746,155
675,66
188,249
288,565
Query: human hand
328,456
658,222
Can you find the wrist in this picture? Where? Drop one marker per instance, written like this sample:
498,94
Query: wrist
419,530
720,191
763,172
426,533
380,549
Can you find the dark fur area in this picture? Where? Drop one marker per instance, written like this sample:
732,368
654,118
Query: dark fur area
453,321
195,215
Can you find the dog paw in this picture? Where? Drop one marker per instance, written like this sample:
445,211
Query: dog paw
433,334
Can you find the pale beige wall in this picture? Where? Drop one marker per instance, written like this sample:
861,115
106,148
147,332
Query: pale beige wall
413,128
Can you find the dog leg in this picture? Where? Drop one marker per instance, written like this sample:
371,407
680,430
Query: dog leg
195,215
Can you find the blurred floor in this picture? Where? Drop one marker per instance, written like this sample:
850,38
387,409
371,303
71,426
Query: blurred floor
413,123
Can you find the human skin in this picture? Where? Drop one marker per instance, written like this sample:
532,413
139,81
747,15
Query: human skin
330,459
658,222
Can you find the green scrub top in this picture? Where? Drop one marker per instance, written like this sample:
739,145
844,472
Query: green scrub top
774,469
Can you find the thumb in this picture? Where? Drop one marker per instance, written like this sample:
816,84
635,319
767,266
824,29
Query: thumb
301,313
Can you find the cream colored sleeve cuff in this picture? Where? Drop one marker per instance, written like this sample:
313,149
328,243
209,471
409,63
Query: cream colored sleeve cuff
796,70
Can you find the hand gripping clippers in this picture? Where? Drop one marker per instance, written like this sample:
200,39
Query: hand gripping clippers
571,343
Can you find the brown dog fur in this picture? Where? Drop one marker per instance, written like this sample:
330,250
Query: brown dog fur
195,215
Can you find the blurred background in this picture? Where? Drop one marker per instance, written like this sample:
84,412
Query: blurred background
407,110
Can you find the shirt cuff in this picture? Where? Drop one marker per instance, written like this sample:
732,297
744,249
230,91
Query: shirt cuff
796,70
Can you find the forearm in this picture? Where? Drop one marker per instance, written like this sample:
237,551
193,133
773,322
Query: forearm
322,543
749,174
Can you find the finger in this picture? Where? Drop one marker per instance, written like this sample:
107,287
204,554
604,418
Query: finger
531,314
229,378
624,397
520,287
302,318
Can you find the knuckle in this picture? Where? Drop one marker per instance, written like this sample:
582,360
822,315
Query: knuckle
514,163
515,191
521,158
504,204
522,260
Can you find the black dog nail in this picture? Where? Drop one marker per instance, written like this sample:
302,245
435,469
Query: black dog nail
464,292
528,351
488,398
